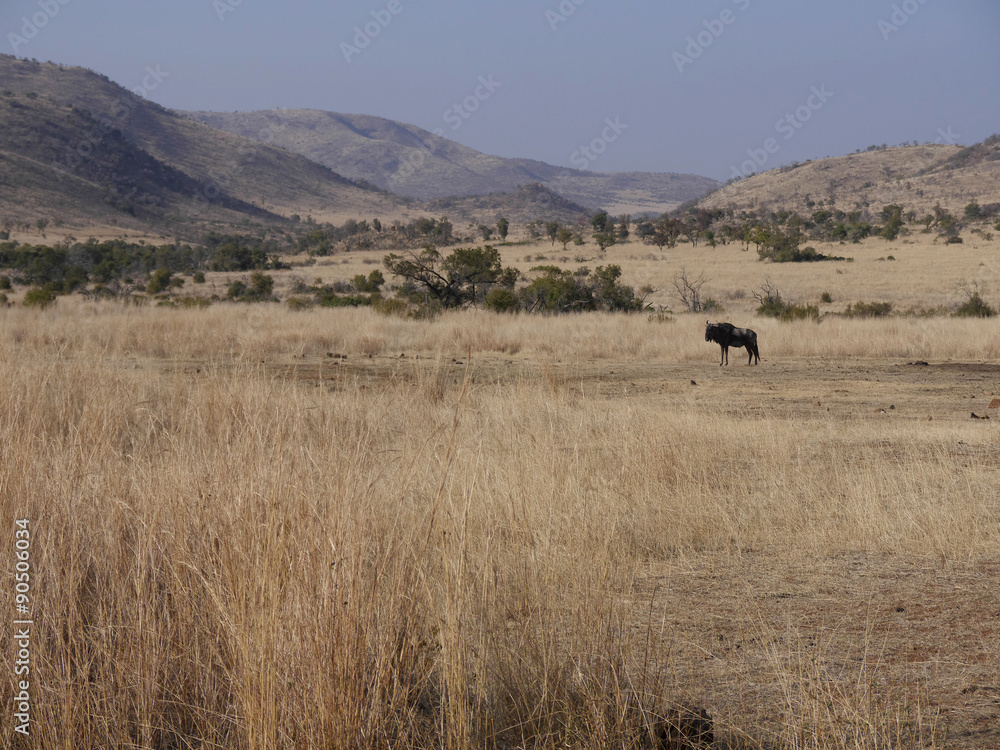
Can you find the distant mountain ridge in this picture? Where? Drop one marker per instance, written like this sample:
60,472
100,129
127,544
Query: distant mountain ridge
414,162
78,148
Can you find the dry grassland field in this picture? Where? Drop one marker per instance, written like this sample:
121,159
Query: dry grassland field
252,527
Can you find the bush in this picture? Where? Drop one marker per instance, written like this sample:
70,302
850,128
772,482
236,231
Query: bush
160,281
260,289
773,306
372,283
199,277
713,306
826,298
975,307
40,296
300,304
390,306
799,312
868,310
771,303
502,300
193,301
4,282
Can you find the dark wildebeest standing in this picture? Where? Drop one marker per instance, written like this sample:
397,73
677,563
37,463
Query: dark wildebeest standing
727,335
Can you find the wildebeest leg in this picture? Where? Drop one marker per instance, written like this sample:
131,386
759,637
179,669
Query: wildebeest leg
723,354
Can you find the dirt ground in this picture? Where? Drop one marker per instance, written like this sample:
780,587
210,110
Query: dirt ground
790,388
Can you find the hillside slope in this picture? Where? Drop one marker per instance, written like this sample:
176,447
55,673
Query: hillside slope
414,162
916,177
73,138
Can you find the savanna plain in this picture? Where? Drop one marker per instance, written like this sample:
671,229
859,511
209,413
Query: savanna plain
254,527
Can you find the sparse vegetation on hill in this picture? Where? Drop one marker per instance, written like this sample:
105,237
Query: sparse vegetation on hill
410,161
919,177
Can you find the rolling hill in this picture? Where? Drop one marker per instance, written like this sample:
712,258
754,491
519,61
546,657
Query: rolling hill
915,177
81,150
74,143
414,162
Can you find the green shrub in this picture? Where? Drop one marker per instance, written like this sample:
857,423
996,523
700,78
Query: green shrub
771,303
4,282
260,289
712,306
773,306
40,296
372,283
390,306
160,281
826,298
502,300
868,310
975,307
799,312
193,301
199,277
300,304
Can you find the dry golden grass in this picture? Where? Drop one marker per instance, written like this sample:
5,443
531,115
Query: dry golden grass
524,532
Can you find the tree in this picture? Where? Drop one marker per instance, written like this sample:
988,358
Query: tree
558,290
503,226
645,229
41,224
892,215
552,230
464,277
564,235
605,240
611,295
689,290
622,230
475,270
665,232
599,221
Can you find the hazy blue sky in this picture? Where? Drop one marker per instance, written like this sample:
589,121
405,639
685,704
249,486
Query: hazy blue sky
703,86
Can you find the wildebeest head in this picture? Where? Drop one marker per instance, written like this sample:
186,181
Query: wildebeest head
717,331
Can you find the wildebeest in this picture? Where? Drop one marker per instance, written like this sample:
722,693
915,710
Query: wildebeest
727,335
